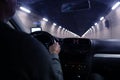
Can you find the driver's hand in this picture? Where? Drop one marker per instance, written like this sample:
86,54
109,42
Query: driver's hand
55,48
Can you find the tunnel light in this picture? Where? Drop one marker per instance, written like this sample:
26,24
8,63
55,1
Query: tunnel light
25,9
107,55
66,30
44,19
101,18
85,33
116,5
54,24
63,28
90,29
95,23
60,27
93,28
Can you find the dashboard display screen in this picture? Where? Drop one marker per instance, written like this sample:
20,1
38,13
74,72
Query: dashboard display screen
79,45
33,29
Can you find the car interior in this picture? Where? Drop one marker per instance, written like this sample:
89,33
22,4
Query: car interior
82,57
90,48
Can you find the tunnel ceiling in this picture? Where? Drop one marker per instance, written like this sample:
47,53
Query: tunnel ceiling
75,15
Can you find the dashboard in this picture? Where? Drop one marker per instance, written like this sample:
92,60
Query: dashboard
76,45
76,57
77,54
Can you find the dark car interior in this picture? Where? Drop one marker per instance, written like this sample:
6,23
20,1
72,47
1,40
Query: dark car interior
80,57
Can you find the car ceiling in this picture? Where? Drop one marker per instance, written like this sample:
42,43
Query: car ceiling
75,15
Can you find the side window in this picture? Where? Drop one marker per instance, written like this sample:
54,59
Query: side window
10,25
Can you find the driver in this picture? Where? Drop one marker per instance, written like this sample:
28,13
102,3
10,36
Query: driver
22,57
53,48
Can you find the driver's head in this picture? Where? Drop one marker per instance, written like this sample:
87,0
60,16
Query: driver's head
7,9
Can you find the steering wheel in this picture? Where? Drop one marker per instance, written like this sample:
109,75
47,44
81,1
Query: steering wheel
46,38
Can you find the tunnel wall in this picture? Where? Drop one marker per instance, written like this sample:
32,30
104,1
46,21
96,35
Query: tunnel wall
26,22
108,28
